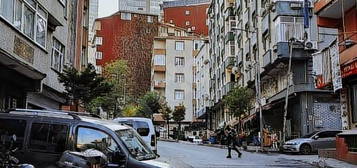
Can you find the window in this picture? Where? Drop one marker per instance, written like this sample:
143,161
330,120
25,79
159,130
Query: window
179,61
187,23
48,137
159,60
125,16
150,19
88,138
57,55
179,78
9,127
187,12
98,68
171,21
288,27
351,142
98,55
179,45
26,16
99,40
179,94
193,28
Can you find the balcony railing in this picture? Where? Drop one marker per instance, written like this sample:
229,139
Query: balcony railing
246,47
267,58
159,84
265,24
159,68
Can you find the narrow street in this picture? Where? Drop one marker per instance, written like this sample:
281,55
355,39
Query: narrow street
195,156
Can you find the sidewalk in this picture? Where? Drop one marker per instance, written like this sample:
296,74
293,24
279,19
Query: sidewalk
331,163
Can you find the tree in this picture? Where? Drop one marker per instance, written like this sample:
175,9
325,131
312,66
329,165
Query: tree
178,115
149,104
83,87
238,100
130,110
115,74
166,113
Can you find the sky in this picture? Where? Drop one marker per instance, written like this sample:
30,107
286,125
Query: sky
107,7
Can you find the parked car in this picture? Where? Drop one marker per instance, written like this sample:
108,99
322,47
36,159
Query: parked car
197,140
43,136
312,142
145,128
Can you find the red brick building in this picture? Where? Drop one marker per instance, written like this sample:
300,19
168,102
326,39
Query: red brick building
128,36
191,15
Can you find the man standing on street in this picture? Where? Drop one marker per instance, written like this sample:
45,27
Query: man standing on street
231,135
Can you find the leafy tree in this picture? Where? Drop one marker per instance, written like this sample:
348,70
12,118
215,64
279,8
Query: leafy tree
115,74
238,101
83,87
149,104
178,115
166,113
130,110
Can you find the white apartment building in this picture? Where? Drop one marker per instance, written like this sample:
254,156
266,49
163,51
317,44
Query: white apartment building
93,14
147,6
173,65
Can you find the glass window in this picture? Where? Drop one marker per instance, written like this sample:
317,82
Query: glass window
7,9
187,12
159,60
18,14
9,127
99,40
142,128
150,19
29,20
187,23
288,27
179,78
125,16
99,69
354,104
179,61
41,30
98,55
179,45
179,94
88,138
48,137
57,55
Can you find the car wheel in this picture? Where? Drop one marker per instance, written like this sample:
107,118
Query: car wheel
305,149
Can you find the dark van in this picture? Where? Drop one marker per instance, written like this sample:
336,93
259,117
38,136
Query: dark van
43,136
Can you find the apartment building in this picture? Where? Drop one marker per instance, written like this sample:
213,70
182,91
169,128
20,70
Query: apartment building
129,36
337,21
147,6
201,82
188,14
173,63
93,14
249,35
37,40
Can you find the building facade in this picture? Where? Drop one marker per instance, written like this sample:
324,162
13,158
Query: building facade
191,15
147,6
248,37
340,18
34,49
93,14
129,36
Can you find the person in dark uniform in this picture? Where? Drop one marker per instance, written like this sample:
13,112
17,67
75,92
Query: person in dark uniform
232,142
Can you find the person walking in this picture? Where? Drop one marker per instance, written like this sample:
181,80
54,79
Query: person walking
232,143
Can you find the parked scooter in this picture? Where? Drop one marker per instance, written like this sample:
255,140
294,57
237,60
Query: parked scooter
7,160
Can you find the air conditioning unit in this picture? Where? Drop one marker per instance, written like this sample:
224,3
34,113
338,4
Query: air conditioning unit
311,45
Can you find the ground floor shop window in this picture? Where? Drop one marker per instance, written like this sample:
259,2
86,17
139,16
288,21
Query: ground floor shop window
351,143
354,103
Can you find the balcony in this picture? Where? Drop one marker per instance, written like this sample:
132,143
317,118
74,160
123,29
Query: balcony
159,68
253,39
229,62
332,8
289,8
253,7
245,17
159,84
266,24
246,47
227,88
267,60
238,4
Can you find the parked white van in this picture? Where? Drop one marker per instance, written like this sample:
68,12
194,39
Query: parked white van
144,127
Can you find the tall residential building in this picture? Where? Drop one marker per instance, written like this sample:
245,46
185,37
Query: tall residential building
188,14
201,82
244,32
336,65
173,65
37,40
93,14
129,36
146,6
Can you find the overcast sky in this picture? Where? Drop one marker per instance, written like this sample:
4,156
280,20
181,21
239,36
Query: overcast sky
107,7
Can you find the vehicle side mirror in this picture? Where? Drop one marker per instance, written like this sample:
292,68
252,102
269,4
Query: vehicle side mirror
315,137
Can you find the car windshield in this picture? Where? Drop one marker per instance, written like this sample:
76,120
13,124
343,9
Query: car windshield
309,135
136,146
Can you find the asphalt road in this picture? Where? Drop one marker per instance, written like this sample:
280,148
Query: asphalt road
181,155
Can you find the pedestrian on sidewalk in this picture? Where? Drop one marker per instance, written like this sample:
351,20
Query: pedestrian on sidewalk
232,142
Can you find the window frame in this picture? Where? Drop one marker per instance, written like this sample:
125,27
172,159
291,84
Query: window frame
62,55
179,60
179,78
178,48
125,16
37,14
177,97
98,55
160,59
98,40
